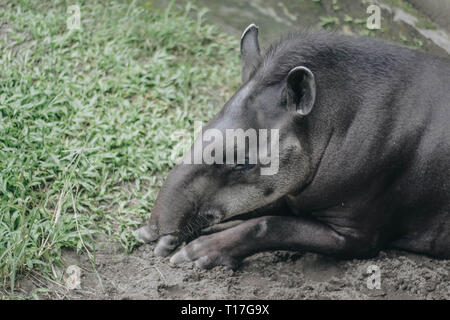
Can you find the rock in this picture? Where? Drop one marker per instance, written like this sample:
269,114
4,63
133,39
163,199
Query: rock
335,284
430,286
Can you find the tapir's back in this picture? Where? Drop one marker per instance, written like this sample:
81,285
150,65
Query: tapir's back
425,184
389,106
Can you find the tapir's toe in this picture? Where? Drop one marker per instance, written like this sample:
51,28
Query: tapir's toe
145,234
179,257
166,245
205,253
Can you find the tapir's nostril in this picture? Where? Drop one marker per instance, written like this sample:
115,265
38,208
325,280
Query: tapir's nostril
213,216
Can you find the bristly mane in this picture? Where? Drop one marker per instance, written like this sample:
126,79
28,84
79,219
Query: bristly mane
327,50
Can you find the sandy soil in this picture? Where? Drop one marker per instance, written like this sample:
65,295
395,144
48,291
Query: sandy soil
271,275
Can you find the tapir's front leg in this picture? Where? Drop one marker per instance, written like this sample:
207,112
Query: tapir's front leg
265,233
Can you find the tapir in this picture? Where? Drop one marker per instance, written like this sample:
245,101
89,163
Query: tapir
364,157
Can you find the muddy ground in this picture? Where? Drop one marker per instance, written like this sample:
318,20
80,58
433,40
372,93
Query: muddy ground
272,275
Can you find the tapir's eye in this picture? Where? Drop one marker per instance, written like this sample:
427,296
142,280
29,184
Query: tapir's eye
244,166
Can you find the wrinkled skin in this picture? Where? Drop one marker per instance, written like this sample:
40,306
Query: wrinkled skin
364,157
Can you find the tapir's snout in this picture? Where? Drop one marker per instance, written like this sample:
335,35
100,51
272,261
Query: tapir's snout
173,208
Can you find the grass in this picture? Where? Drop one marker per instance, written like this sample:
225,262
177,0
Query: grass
87,119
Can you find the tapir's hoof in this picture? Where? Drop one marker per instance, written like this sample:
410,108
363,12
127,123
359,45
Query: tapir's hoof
146,234
207,252
166,245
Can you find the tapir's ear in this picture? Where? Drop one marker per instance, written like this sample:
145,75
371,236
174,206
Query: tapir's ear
301,90
249,50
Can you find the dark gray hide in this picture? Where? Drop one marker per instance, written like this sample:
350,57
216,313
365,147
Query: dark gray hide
364,156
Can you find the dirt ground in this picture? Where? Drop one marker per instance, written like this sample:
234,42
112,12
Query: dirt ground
271,275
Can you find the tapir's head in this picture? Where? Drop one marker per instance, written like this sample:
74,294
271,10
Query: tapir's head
225,176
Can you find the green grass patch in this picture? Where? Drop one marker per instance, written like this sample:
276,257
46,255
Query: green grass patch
86,118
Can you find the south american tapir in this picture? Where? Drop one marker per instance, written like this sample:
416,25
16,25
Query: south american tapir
363,157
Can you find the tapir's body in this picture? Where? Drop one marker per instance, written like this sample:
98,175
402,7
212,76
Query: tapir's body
364,159
385,170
